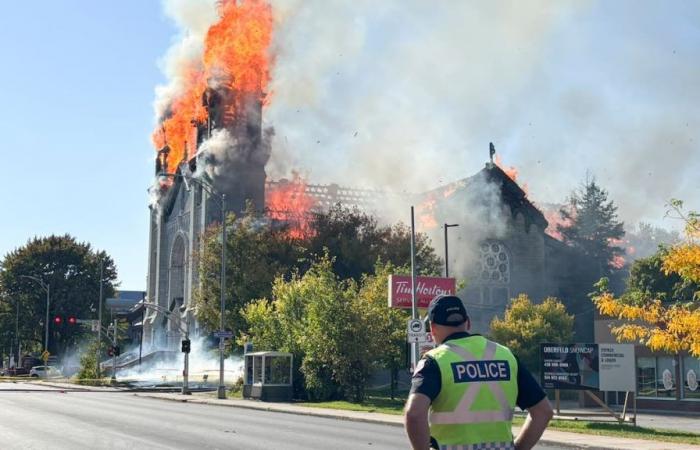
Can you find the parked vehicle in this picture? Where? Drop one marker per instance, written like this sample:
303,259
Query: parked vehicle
45,372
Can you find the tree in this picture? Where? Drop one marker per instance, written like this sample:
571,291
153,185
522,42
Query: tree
649,279
356,241
71,269
256,254
591,225
339,331
651,318
526,325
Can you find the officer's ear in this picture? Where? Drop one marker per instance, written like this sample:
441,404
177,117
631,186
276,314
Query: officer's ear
469,324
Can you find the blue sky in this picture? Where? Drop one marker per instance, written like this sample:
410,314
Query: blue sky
418,91
76,89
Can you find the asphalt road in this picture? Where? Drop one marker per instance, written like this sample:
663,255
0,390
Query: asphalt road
35,417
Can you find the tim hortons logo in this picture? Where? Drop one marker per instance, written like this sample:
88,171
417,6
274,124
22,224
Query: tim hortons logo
426,289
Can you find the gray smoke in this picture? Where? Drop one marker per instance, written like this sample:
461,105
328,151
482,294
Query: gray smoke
406,95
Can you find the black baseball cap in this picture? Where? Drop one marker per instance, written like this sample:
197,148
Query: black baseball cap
447,310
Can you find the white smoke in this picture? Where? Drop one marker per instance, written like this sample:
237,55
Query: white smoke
406,95
203,365
216,153
193,18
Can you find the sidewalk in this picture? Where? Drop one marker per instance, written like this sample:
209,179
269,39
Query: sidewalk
551,437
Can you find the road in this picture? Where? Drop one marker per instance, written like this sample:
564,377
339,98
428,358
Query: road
38,417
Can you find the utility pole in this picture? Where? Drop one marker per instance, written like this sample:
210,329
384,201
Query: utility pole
114,353
99,319
414,306
447,264
17,336
221,392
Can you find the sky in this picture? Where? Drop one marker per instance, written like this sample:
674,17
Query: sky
397,94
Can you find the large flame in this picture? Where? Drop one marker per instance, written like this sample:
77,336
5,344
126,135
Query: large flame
235,56
288,201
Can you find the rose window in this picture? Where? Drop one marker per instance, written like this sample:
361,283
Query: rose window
494,263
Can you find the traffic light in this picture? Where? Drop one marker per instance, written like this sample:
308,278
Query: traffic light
185,346
72,320
57,320
117,350
110,351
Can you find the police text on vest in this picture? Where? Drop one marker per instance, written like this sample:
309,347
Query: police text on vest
468,371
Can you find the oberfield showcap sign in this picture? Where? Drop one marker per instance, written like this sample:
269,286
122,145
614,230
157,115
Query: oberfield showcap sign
426,289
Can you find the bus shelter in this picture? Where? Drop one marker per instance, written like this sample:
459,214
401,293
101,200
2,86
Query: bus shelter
268,376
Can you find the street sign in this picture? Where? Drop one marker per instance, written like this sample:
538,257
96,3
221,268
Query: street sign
223,334
45,356
418,336
415,325
95,325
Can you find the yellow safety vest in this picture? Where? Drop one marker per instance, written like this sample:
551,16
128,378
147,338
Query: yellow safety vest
474,409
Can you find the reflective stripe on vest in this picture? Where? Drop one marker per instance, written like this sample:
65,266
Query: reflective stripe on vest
462,413
485,446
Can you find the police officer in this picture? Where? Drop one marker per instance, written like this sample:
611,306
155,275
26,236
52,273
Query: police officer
464,391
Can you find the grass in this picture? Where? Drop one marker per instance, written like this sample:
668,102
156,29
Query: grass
385,405
626,431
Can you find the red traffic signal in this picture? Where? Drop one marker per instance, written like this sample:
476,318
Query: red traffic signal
57,320
72,320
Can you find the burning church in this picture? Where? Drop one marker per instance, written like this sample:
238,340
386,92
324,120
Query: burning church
212,148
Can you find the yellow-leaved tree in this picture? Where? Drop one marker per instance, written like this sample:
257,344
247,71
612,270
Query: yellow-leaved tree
661,325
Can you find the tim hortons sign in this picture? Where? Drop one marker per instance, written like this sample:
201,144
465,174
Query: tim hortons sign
426,289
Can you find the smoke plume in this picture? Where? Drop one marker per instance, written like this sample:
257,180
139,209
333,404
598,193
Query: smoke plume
406,95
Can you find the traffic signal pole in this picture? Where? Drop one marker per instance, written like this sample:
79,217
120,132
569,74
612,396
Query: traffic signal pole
186,370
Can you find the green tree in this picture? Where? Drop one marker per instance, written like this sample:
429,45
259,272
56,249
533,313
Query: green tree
649,280
526,325
71,269
384,327
339,331
592,226
356,241
256,254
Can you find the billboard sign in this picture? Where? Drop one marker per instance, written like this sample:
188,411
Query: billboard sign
617,367
569,366
604,367
426,289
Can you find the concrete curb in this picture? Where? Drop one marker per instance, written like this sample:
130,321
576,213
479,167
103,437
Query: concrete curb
557,438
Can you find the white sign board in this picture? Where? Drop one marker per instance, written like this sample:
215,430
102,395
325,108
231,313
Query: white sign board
617,367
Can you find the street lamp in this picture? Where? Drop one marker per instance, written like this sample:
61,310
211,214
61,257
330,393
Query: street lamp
447,264
47,288
221,197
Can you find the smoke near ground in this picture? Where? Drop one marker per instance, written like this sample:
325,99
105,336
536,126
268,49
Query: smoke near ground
406,95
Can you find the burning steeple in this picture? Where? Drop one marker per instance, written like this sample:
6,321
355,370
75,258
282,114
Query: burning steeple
223,91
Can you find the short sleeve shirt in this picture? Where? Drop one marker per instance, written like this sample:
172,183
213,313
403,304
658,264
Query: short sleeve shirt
427,380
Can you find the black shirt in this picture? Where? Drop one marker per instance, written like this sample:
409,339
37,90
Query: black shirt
426,379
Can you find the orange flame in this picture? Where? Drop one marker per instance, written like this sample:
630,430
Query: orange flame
426,213
511,171
235,56
555,220
288,201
